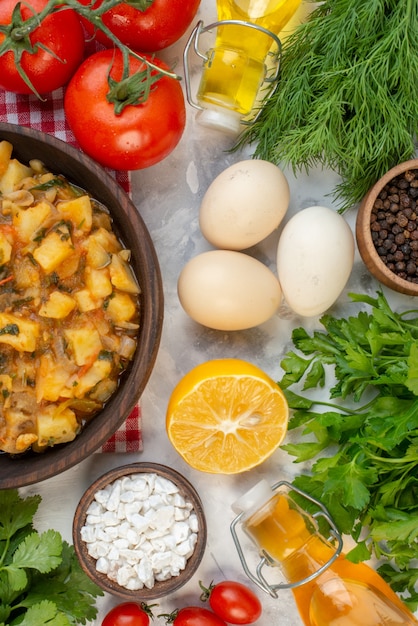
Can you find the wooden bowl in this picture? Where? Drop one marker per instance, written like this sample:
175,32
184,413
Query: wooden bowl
62,158
160,588
365,244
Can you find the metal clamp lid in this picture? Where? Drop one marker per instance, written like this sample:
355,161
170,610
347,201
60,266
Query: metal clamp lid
258,578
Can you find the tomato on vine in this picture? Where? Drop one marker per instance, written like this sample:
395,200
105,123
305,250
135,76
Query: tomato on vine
126,116
38,54
128,614
154,25
232,601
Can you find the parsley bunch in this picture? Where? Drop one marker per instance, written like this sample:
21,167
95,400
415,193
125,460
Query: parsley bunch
364,454
41,581
347,96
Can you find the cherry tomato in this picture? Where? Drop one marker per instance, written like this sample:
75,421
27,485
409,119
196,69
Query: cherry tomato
234,602
159,26
60,32
141,135
128,614
197,616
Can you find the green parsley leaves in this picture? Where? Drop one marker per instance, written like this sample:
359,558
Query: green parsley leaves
41,581
363,449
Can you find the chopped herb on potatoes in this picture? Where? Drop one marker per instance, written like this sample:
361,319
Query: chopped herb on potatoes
68,295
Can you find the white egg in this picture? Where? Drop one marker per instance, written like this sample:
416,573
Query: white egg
315,256
244,204
228,290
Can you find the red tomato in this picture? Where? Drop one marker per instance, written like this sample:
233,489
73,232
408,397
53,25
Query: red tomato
127,614
141,135
159,26
197,616
61,32
234,602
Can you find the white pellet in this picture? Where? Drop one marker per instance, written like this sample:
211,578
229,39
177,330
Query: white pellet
181,514
112,532
140,530
101,496
121,544
134,584
145,573
194,523
109,518
185,548
124,574
102,536
102,565
95,508
139,522
180,531
163,485
112,503
113,554
127,496
88,534
120,511
130,508
179,501
123,529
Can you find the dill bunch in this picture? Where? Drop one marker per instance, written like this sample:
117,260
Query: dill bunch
347,97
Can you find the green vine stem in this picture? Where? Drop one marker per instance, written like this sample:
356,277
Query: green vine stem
17,33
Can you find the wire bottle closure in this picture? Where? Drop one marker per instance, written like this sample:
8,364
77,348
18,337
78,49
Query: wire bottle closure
258,577
194,44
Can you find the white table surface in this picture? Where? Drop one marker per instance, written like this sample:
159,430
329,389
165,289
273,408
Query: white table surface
168,196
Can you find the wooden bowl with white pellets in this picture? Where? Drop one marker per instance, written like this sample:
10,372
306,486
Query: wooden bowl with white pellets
139,531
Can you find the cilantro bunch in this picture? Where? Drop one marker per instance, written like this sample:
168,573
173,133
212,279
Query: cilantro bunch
41,581
364,450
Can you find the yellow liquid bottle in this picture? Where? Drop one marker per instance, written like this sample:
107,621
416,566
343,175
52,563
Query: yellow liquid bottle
235,68
344,593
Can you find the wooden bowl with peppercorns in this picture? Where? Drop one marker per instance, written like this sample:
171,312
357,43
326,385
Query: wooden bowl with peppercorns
387,229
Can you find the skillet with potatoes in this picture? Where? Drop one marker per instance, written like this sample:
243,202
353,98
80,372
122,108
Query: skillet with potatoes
69,307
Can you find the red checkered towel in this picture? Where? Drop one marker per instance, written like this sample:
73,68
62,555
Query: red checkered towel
48,116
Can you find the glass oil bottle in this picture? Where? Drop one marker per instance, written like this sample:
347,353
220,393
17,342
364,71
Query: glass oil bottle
329,590
244,56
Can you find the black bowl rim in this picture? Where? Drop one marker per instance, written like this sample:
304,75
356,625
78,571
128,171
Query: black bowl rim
31,468
162,588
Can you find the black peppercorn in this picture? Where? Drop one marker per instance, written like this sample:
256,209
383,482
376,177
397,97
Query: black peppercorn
394,225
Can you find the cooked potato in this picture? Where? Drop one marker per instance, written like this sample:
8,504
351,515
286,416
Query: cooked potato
53,380
78,211
97,255
86,302
122,276
6,150
53,250
85,343
99,371
98,282
121,308
5,249
58,306
27,221
18,332
55,425
14,174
